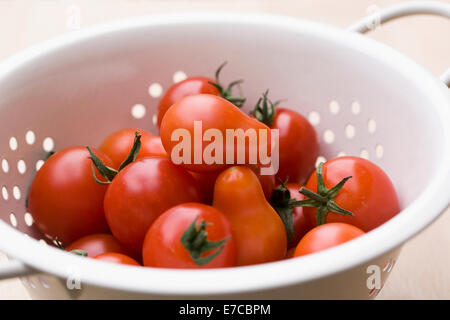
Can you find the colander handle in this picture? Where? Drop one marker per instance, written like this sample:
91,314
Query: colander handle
13,269
401,10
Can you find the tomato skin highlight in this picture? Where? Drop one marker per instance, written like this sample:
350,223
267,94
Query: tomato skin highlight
118,145
162,246
326,236
369,194
140,193
187,87
115,257
258,231
298,145
96,244
65,201
212,112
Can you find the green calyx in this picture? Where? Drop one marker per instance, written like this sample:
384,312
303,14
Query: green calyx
109,173
283,204
195,240
226,92
264,110
76,251
323,200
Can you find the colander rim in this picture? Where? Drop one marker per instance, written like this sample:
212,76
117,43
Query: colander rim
258,277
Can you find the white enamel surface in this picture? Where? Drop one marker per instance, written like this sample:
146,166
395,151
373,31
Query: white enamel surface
63,88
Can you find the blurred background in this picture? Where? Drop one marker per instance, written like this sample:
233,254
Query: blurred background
422,269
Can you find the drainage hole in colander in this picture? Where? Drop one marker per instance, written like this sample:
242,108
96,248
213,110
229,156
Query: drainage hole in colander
28,218
5,165
350,131
44,283
356,107
314,118
155,119
379,151
328,136
30,137
334,107
179,76
16,193
48,144
21,166
31,283
341,154
13,143
319,160
39,164
155,90
371,125
5,194
138,111
13,219
364,154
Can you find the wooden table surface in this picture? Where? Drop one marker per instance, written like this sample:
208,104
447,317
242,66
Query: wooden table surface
422,269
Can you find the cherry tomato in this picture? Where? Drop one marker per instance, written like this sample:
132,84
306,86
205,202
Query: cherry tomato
326,236
141,192
65,201
369,194
298,142
118,145
258,231
96,244
187,87
190,235
115,257
219,115
197,85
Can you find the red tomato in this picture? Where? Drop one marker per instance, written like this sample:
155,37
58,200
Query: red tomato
142,191
257,229
369,194
187,87
300,223
96,244
119,258
118,145
171,235
215,113
197,85
298,142
65,201
326,236
298,145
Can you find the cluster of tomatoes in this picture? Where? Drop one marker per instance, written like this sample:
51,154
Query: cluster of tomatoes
128,202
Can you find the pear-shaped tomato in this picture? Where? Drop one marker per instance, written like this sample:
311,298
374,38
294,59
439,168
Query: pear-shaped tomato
258,231
208,133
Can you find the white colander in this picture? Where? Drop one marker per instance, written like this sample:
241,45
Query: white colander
363,97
